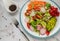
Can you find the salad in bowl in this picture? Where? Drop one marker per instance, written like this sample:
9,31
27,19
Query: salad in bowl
40,17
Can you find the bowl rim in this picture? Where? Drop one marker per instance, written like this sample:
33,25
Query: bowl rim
20,22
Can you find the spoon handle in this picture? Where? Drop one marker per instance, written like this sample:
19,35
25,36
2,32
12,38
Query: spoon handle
23,33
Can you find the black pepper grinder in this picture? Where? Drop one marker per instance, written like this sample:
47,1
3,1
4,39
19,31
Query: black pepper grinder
11,6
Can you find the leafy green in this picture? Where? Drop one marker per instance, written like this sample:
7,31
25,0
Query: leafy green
43,23
47,16
48,5
38,21
33,23
39,13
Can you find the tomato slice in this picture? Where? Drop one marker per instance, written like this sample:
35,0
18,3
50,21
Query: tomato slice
37,16
28,25
27,14
33,17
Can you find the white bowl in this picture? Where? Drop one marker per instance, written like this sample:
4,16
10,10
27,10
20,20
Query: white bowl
23,23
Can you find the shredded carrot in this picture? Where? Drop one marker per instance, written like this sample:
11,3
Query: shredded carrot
36,3
42,3
30,6
36,8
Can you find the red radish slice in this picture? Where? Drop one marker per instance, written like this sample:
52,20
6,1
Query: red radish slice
26,19
42,31
39,27
31,28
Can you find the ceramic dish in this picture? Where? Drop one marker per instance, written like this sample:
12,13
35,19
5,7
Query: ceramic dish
24,25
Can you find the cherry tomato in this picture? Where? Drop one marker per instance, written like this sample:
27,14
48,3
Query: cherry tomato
47,32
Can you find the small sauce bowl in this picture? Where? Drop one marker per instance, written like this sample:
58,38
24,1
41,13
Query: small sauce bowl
13,8
10,6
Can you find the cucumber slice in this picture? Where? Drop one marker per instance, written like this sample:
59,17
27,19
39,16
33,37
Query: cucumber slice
48,5
43,23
